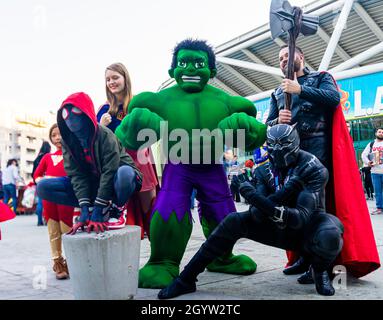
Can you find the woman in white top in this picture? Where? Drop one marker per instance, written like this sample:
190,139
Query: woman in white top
10,176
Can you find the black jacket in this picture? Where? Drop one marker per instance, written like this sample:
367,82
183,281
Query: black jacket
312,110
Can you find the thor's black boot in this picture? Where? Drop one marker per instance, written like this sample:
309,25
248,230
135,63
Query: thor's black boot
323,283
298,267
307,277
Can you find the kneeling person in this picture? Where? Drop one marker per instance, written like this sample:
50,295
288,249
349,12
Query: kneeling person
286,211
101,176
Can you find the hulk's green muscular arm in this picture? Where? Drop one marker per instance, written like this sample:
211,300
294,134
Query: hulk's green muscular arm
243,116
142,114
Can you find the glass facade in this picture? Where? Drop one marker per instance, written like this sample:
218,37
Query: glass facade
363,132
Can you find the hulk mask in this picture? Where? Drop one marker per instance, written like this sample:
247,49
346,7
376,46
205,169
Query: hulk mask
192,71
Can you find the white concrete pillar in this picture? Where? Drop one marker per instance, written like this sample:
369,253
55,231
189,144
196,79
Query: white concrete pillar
104,266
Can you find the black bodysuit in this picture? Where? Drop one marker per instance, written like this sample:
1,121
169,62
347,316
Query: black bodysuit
304,226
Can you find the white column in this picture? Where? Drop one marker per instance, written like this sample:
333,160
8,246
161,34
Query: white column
104,266
336,35
365,55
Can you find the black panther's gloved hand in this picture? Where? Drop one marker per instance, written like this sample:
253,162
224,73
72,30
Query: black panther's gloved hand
290,190
242,177
262,203
238,179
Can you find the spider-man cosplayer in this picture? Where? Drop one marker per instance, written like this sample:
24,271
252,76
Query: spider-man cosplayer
101,176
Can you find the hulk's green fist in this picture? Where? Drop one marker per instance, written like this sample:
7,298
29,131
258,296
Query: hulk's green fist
254,131
128,131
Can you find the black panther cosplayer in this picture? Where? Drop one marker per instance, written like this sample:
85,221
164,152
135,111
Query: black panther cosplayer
286,211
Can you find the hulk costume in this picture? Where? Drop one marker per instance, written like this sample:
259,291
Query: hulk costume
190,104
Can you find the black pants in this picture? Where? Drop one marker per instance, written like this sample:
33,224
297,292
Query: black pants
320,241
235,194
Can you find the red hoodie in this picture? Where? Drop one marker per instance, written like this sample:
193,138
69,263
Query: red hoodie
82,101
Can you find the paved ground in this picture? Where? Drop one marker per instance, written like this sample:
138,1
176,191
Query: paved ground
24,254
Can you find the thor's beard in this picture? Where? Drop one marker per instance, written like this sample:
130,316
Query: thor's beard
297,67
379,137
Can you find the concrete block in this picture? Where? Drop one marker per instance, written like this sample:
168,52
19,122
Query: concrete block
104,266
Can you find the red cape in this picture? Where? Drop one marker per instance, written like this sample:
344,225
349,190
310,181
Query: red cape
345,198
5,213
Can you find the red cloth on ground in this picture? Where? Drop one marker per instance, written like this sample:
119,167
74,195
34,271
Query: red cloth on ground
5,213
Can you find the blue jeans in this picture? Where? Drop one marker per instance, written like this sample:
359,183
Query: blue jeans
194,192
10,192
377,180
60,190
39,211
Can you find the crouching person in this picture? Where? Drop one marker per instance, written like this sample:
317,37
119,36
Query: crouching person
101,176
286,211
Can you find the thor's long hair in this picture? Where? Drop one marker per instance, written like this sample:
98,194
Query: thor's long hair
127,91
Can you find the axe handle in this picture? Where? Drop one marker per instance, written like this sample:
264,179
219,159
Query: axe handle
293,35
290,67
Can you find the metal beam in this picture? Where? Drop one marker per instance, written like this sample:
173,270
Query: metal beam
256,59
250,65
260,96
336,35
242,78
338,49
224,86
362,13
166,84
365,55
280,42
371,68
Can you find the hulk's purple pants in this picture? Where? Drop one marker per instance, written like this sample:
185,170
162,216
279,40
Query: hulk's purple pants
213,194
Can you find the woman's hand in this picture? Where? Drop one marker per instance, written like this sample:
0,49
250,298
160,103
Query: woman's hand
106,119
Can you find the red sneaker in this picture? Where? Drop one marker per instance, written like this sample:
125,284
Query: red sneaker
117,218
114,223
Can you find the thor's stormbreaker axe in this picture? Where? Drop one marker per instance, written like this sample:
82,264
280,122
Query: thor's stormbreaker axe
285,18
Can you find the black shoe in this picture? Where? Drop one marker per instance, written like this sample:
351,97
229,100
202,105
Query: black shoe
176,288
298,267
306,278
323,283
115,211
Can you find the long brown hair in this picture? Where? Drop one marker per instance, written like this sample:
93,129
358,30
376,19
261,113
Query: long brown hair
127,92
54,126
